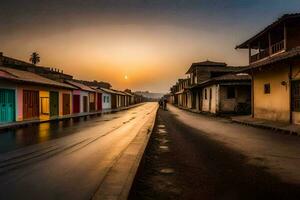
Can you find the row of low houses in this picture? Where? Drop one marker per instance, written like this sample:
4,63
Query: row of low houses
270,83
29,92
213,87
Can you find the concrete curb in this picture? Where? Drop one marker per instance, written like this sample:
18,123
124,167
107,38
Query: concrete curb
262,126
265,126
30,122
118,181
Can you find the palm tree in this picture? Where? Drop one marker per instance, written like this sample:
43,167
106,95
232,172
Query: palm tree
34,58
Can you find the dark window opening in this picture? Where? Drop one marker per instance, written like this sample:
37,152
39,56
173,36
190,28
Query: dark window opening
267,88
230,92
205,93
296,96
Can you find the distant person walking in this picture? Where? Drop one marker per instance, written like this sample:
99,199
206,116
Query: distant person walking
165,101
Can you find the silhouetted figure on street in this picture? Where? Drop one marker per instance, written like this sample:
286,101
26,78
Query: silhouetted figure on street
165,101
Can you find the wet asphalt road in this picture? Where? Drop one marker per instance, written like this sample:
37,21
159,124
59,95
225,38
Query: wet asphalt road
65,160
192,156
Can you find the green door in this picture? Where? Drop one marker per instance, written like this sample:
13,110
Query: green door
7,105
54,105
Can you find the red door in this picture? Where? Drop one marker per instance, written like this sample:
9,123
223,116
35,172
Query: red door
99,101
30,104
66,104
76,103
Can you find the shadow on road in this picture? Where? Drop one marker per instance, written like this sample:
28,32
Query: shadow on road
183,163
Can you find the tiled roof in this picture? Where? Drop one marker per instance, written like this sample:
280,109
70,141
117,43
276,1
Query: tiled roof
80,86
25,76
225,78
119,92
110,91
97,89
127,93
213,67
233,77
277,22
209,63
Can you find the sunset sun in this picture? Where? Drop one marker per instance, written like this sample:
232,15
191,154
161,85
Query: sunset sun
126,77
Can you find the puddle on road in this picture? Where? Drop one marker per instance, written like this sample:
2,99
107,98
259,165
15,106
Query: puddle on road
162,131
164,147
162,141
167,171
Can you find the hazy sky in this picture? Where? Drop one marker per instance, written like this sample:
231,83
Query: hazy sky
153,42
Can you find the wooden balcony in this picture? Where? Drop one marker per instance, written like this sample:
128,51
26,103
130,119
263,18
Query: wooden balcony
261,55
275,48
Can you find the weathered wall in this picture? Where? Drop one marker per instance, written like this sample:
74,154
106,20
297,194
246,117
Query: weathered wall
274,106
83,94
213,100
243,95
189,100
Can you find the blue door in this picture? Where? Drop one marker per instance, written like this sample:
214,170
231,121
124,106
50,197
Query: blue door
7,105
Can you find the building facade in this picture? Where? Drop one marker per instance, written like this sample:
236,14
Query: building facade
205,88
28,96
274,65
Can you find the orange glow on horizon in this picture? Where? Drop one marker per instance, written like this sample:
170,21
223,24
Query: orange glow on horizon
154,57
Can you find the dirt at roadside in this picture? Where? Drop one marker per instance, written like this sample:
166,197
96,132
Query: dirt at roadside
181,163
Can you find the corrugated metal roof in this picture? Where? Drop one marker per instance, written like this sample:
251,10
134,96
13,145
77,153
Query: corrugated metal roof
25,76
80,86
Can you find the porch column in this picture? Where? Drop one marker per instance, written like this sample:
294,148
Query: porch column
249,48
252,93
270,42
285,36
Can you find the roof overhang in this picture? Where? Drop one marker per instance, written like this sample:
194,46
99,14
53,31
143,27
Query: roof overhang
294,53
279,21
222,82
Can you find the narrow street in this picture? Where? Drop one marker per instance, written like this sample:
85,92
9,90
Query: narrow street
66,160
192,156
